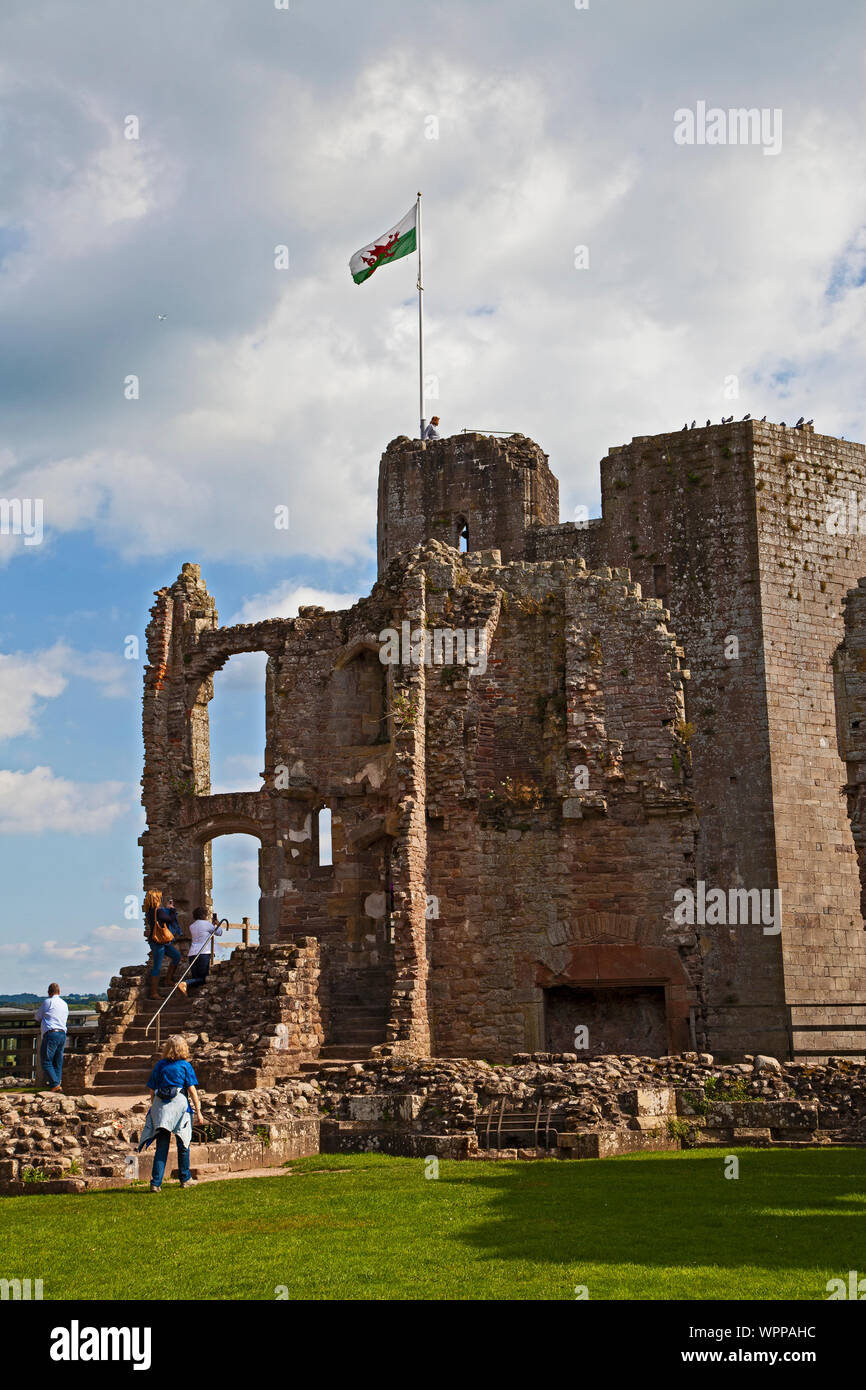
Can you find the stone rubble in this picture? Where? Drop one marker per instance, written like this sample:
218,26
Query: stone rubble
61,1136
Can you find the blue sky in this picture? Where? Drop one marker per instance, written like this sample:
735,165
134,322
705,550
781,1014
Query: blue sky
73,889
154,257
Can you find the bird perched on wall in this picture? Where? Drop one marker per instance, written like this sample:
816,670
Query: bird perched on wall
763,418
800,423
810,422
709,422
747,417
692,425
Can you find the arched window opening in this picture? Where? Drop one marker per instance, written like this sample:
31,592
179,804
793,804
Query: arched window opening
236,718
235,887
462,534
325,846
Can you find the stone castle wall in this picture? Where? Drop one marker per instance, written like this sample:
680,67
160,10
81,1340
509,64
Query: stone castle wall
508,844
500,487
679,510
806,567
540,803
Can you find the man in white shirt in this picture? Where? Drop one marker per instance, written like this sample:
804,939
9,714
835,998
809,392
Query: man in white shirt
52,1015
201,933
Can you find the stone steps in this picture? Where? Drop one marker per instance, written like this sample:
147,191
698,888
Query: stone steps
122,1083
361,1006
351,1052
135,1033
351,1018
136,1062
357,1037
126,1070
168,1017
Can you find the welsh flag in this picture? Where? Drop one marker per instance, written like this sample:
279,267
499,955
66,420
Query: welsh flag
399,241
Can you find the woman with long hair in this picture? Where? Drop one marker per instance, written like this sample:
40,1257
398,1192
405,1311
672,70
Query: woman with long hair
161,922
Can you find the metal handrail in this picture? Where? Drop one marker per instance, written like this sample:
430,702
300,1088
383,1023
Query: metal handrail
467,430
189,967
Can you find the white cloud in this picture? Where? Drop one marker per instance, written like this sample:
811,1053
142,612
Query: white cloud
78,965
37,801
285,600
114,935
113,181
704,263
70,951
26,678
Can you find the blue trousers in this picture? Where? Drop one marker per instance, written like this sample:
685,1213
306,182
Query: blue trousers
159,951
199,972
51,1055
160,1157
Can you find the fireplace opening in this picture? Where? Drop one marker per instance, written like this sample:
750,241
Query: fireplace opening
606,1019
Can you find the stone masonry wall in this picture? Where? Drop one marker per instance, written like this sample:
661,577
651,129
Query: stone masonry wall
729,525
679,510
499,487
809,559
258,1015
556,802
849,665
508,844
418,763
408,1107
449,1096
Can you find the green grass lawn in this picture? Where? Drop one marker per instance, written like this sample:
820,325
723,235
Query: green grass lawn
643,1227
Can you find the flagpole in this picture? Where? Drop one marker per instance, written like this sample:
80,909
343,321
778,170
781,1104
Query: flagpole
420,321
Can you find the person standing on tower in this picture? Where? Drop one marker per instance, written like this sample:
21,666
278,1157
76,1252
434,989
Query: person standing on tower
432,431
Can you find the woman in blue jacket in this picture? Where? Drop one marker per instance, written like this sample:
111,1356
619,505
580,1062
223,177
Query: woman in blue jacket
172,1085
159,913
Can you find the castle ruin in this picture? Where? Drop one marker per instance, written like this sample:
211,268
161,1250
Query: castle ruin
575,728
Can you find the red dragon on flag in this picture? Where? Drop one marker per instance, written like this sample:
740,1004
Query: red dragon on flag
382,252
390,246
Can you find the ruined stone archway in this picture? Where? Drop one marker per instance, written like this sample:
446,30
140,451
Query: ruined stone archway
199,889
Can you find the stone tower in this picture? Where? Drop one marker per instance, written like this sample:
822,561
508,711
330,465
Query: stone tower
471,491
735,528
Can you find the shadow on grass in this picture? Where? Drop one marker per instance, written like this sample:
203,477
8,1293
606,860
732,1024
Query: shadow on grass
788,1209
